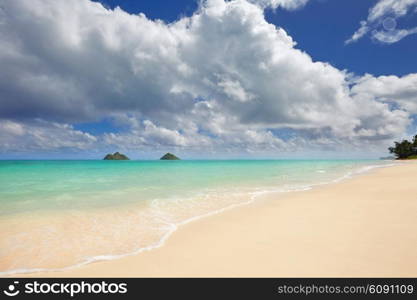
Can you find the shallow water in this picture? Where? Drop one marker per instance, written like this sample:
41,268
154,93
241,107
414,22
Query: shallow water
57,214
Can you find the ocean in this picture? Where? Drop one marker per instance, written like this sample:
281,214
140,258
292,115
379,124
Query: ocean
61,214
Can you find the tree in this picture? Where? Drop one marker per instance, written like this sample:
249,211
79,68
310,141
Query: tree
404,149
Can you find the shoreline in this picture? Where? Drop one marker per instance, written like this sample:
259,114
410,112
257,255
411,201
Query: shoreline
149,262
109,213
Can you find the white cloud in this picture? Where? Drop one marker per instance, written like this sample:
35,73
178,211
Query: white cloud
41,135
234,90
381,21
286,4
401,91
393,36
397,8
223,78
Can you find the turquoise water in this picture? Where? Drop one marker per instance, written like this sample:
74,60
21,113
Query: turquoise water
39,185
111,208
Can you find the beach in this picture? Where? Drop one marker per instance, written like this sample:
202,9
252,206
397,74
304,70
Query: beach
363,226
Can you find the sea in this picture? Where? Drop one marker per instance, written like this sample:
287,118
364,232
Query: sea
56,215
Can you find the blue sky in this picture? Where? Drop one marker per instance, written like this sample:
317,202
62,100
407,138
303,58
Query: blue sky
169,11
322,27
220,80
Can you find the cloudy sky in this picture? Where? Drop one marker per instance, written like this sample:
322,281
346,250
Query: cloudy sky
206,79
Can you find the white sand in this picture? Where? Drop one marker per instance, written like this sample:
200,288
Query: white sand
365,226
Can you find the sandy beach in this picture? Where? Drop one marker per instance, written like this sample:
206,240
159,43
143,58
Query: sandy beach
365,226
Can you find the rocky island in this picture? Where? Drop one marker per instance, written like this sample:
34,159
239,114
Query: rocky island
116,156
169,156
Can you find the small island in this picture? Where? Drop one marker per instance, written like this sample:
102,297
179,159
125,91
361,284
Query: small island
169,156
405,149
116,156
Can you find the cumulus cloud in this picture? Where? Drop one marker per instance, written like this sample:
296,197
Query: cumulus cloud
223,78
382,21
286,4
39,135
399,91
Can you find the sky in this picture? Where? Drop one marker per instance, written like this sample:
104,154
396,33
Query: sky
206,79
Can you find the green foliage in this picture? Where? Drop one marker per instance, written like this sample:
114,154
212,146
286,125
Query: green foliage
116,156
169,156
405,149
